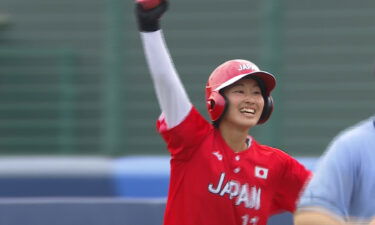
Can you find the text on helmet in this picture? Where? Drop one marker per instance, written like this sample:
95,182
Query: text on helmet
247,67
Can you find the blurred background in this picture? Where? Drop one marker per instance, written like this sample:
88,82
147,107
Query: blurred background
78,110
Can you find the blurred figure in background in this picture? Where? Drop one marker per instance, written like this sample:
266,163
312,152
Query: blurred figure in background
342,190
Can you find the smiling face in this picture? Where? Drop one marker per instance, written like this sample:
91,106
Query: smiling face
245,104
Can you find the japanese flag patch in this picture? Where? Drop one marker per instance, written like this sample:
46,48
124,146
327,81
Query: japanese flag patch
261,172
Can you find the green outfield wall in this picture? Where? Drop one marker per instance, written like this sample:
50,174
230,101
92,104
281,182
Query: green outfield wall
73,78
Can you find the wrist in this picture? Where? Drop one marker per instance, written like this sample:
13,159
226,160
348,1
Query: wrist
150,26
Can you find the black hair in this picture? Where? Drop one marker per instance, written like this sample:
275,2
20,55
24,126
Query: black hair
261,85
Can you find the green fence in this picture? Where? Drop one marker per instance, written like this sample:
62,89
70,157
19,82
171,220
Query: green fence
37,100
73,78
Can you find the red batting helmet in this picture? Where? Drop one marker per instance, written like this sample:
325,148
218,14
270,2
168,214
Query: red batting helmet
227,74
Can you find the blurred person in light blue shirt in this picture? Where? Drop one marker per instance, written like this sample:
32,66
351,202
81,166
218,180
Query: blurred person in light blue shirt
342,190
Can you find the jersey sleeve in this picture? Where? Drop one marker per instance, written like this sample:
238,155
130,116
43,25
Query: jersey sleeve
183,139
293,180
332,184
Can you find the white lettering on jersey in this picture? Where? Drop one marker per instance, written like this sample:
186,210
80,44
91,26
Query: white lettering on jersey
244,196
254,220
247,220
235,189
255,197
231,188
217,189
249,196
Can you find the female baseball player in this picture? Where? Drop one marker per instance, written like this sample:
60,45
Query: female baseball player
220,175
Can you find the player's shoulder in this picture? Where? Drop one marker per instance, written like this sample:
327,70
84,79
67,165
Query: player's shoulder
357,132
275,153
282,162
194,124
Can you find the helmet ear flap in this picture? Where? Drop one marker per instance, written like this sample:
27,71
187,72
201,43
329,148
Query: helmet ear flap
215,105
267,110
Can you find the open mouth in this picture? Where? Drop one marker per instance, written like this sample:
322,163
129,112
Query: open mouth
248,111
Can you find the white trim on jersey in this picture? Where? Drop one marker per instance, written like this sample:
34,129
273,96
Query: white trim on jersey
170,92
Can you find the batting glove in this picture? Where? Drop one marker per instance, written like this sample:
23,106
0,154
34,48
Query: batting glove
149,20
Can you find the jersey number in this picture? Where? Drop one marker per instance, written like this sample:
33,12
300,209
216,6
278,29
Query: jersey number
247,220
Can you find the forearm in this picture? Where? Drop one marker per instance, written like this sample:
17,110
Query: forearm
361,222
307,217
322,217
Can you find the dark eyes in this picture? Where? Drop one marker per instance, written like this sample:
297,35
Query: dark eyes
242,92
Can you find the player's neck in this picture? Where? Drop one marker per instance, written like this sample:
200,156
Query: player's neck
236,139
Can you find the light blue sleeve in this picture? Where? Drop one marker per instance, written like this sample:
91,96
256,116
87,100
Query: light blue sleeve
332,183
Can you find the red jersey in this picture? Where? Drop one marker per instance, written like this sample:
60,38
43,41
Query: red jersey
211,184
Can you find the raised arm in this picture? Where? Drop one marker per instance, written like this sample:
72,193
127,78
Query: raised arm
173,99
